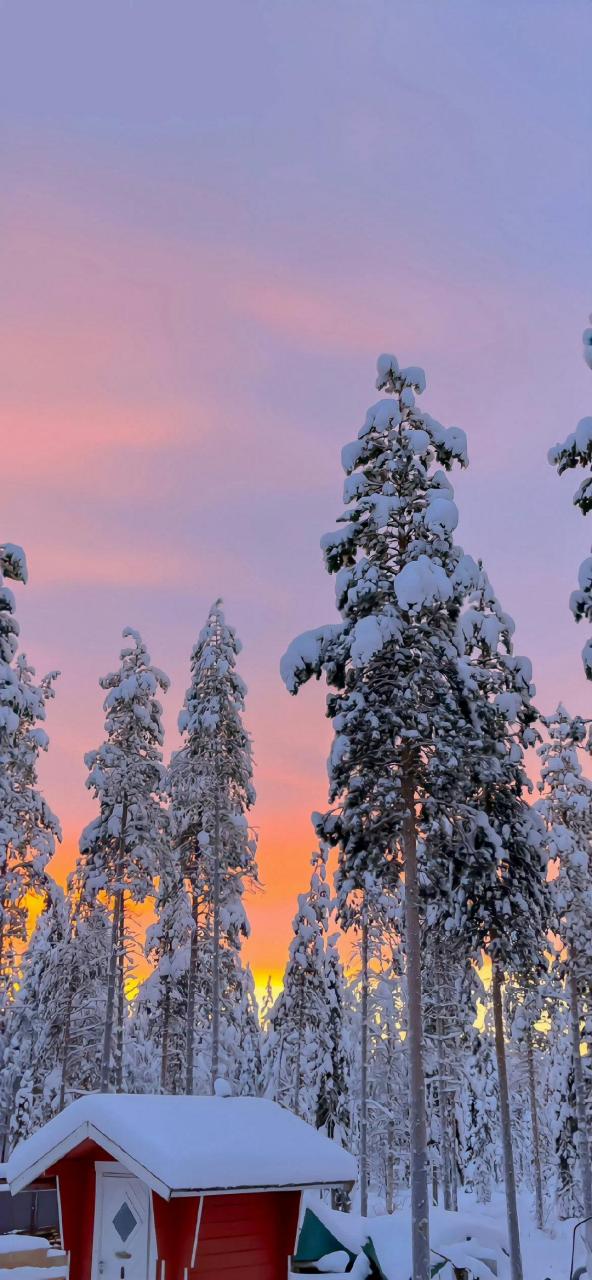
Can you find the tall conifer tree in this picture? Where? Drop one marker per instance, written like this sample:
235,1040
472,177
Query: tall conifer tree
212,792
400,693
120,850
566,806
575,452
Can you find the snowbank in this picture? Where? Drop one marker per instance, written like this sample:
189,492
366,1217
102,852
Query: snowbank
475,1237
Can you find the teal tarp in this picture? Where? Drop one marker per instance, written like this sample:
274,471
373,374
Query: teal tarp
315,1240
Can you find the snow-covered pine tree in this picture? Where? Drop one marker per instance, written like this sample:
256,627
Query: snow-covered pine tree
566,806
31,1071
576,451
400,691
120,849
211,789
299,1046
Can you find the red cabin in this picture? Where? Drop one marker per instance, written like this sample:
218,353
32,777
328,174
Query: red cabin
157,1187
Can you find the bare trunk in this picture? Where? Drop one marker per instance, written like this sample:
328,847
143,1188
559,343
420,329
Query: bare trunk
111,980
120,995
190,1027
216,945
506,1127
364,1070
390,1166
420,1210
582,1142
443,1107
534,1124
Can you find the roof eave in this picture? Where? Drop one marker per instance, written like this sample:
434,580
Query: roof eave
326,1185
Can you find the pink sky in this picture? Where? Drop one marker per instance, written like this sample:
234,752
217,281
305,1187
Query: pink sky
212,220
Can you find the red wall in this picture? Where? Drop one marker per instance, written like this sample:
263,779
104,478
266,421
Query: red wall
250,1235
77,1185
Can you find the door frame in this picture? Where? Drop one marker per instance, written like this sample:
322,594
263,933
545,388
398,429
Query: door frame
115,1169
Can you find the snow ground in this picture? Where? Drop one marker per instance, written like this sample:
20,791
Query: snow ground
473,1237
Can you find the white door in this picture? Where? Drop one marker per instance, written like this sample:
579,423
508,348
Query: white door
122,1241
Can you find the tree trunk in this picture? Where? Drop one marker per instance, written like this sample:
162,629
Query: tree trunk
364,1069
452,1150
534,1124
582,1142
390,1166
120,995
216,944
420,1210
191,983
112,977
506,1126
443,1107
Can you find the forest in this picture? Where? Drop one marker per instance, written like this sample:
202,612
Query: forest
436,1005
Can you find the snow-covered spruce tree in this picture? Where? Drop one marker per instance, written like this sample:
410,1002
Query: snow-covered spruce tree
378,1003
481,1099
566,806
211,789
525,1008
120,850
400,690
333,1104
370,916
86,972
31,1071
447,1011
28,828
576,451
159,1014
494,867
299,1048
560,1104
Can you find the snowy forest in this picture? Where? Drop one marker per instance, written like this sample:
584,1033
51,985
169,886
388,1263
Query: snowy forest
436,1005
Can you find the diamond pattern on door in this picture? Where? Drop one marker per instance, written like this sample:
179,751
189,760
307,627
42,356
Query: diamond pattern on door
124,1221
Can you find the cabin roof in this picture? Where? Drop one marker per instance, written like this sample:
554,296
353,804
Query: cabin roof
179,1144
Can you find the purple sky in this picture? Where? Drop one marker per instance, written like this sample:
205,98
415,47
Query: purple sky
213,217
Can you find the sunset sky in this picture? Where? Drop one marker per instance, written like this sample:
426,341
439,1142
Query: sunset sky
213,217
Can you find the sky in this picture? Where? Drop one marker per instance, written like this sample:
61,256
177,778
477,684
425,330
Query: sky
213,217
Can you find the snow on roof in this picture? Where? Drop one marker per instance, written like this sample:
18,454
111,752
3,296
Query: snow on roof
178,1143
